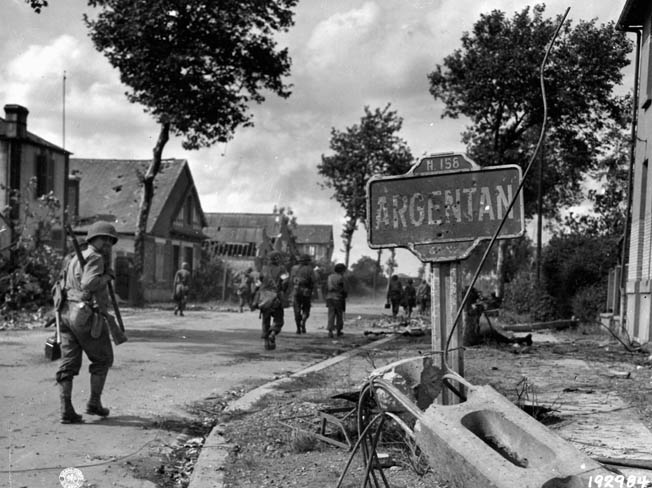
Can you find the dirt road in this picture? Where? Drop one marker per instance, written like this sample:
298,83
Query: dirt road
169,366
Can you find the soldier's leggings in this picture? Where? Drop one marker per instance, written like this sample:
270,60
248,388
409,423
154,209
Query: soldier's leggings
275,313
301,306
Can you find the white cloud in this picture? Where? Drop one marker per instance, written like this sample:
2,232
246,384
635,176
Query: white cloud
345,54
340,34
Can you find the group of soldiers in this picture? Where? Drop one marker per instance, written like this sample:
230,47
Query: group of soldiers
83,316
407,297
274,288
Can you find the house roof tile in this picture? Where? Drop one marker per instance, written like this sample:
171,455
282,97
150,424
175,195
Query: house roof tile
111,188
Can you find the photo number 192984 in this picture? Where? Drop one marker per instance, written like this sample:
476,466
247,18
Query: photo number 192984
619,481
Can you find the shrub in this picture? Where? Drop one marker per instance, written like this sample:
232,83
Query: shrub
524,297
28,280
206,283
589,302
572,262
28,266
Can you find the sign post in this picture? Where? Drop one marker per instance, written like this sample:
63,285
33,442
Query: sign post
444,297
441,210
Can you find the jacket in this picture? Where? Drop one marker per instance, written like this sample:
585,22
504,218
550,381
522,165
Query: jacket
302,279
335,287
88,284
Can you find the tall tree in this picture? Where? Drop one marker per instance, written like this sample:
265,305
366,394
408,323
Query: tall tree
361,151
195,66
608,185
493,79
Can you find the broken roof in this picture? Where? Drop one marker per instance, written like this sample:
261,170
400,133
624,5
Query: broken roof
313,234
236,235
111,187
222,220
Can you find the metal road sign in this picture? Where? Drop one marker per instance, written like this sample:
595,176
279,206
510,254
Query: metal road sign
443,216
440,162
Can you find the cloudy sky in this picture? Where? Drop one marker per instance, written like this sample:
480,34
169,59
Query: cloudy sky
346,54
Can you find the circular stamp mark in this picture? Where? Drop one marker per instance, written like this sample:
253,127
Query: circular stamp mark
71,478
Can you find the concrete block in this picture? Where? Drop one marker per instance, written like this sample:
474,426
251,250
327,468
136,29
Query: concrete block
487,441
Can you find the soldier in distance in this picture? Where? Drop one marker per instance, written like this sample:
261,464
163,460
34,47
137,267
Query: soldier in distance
302,278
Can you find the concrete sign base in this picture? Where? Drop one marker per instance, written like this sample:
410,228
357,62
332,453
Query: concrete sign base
488,442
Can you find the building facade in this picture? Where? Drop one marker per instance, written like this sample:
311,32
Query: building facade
30,167
315,240
109,189
636,17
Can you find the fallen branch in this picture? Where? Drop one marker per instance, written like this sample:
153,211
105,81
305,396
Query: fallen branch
628,463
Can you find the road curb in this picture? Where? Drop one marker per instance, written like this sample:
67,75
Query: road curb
209,468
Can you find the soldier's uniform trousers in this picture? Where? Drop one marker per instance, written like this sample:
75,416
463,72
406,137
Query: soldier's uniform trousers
276,314
301,305
77,339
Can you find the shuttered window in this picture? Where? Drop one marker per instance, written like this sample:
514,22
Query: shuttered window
44,173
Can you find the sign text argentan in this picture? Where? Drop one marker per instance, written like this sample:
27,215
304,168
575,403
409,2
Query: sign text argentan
443,208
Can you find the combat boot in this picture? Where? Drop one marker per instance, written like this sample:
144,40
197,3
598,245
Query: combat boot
94,405
68,414
271,339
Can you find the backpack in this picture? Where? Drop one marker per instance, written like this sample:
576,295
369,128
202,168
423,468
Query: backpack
58,290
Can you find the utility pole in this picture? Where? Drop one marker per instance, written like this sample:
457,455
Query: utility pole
63,121
540,208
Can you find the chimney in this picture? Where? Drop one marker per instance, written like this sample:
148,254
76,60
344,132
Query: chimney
16,121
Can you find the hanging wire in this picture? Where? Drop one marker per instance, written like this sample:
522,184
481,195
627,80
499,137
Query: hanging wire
513,202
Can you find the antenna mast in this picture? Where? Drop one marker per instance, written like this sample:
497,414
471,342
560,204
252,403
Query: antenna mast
63,121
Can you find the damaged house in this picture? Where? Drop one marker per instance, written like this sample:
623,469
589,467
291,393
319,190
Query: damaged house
110,190
244,239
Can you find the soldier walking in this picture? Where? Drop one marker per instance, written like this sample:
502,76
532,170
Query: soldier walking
181,286
245,283
82,329
303,282
409,298
394,294
272,292
423,296
336,294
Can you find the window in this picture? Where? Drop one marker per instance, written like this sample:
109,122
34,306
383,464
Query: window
188,255
160,259
176,254
73,198
188,211
44,172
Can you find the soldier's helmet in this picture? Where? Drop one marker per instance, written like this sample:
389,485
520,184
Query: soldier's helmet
340,268
305,259
102,229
